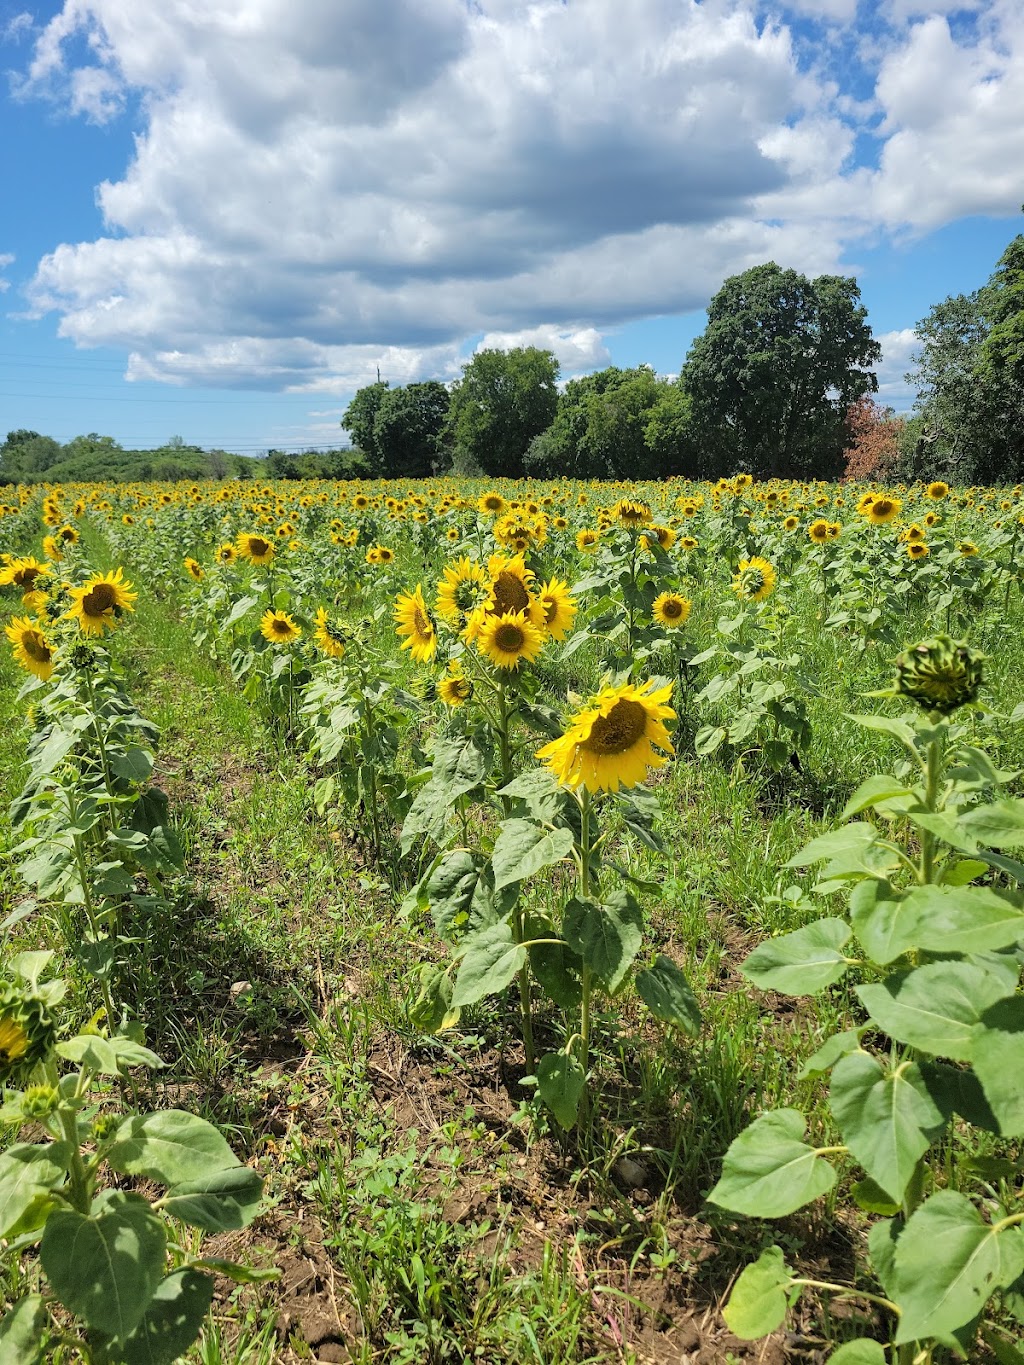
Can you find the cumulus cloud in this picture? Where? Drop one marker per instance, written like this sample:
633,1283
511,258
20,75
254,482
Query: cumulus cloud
320,187
897,349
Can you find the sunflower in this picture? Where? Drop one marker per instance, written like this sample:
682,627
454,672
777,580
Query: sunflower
491,504
509,639
937,490
917,549
819,531
932,519
257,549
913,533
511,585
587,539
790,523
610,744
664,535
883,510
463,588
671,610
226,553
967,548
413,621
455,688
631,513
67,535
688,542
834,530
31,648
22,573
329,639
555,609
195,569
754,580
99,600
278,627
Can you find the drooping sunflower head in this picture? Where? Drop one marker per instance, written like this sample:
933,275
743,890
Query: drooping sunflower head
278,627
587,539
255,548
671,610
554,608
940,675
413,621
32,650
22,573
509,639
511,588
27,1031
611,742
630,513
99,601
754,580
937,491
455,689
883,510
967,548
463,587
195,569
330,639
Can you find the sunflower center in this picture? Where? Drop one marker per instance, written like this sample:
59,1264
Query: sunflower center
550,609
619,730
99,599
24,578
421,624
258,546
280,627
509,637
510,594
493,504
35,647
673,608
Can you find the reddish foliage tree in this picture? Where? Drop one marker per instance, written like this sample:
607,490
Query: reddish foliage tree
872,442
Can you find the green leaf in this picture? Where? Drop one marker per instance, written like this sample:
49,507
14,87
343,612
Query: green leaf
887,1118
105,1268
560,1083
221,1202
963,871
948,1263
539,791
869,1196
957,1090
1004,1353
769,1171
171,1323
1000,824
554,964
523,847
169,1146
997,1051
935,1007
803,962
30,965
450,888
27,1171
830,1051
21,1332
134,765
666,992
862,1352
852,839
760,1297
966,919
432,1011
241,1274
885,923
106,1056
888,726
607,936
883,1238
872,792
490,962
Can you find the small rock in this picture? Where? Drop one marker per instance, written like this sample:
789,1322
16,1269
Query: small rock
632,1174
240,988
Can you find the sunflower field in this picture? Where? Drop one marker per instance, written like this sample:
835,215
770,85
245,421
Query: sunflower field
515,922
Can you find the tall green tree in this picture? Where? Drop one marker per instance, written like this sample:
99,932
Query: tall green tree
407,430
360,416
26,455
502,401
774,372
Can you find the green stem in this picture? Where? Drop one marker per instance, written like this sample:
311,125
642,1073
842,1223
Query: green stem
90,911
78,1182
933,774
98,732
587,975
504,749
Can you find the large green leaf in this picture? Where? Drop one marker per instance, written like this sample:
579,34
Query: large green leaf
803,962
450,888
830,1051
967,919
21,1332
998,1055
873,791
935,1007
523,847
885,923
560,1082
28,1170
887,1118
760,1297
845,846
948,1263
220,1202
858,1353
666,992
106,1267
999,824
607,937
172,1321
769,1171
490,962
553,963
883,1238
169,1146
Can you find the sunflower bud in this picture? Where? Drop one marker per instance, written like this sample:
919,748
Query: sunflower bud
940,674
39,1101
104,1126
27,1032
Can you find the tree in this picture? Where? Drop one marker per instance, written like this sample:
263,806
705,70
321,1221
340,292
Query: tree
25,455
407,430
873,439
503,400
360,416
774,372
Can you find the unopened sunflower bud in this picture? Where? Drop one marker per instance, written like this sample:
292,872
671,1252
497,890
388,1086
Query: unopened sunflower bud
940,674
39,1101
27,1033
103,1127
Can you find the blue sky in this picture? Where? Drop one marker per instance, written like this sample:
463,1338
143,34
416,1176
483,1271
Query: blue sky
221,220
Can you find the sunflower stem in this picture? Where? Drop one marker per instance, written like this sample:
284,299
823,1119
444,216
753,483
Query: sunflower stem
98,732
587,975
932,776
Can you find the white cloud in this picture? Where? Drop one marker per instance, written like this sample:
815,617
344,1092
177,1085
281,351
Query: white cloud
897,349
17,27
6,259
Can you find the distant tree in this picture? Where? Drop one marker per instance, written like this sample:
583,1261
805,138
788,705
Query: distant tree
503,400
360,416
774,372
26,455
873,435
282,466
407,430
219,462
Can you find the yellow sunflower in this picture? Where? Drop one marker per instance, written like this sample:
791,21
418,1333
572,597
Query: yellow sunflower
610,744
555,608
511,585
101,599
631,513
671,610
754,580
883,510
22,573
31,648
508,639
68,535
256,548
967,548
413,621
463,588
587,539
491,504
790,523
278,627
917,549
330,640
937,490
664,535
195,569
688,542
226,553
819,531
455,688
